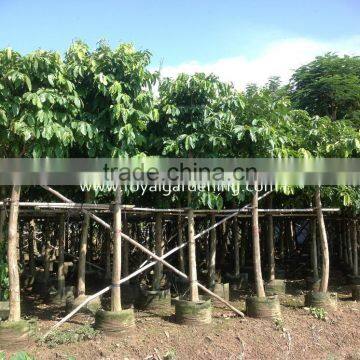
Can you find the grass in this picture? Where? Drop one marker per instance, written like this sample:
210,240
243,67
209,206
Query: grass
82,333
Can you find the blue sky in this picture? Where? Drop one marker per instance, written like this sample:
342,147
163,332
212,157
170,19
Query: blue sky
191,35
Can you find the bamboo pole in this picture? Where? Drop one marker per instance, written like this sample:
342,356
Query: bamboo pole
236,247
116,273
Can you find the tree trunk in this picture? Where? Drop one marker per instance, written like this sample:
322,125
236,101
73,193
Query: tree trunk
314,256
81,285
32,244
116,274
270,243
107,256
243,244
181,241
324,243
159,251
212,254
2,214
259,283
125,245
341,256
47,235
355,249
14,279
194,293
350,252
61,242
236,246
282,241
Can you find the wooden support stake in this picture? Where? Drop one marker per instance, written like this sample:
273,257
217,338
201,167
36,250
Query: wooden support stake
270,241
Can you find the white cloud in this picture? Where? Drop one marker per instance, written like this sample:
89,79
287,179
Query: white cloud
279,58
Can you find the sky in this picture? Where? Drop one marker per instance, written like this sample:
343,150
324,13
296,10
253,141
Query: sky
240,41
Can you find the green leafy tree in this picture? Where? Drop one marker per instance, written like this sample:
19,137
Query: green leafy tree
328,86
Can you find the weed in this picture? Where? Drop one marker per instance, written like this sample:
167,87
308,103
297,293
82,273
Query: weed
318,313
85,332
170,355
279,324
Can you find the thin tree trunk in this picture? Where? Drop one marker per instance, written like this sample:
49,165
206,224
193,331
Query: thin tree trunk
236,246
324,243
314,256
81,285
270,241
14,279
341,239
181,241
2,214
116,274
61,241
355,249
212,254
282,241
259,283
345,248
349,242
107,256
243,244
47,234
194,293
159,251
32,244
125,245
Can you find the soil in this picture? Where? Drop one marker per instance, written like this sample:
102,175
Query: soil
156,335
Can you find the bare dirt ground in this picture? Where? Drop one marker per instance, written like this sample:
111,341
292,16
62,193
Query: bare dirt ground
157,336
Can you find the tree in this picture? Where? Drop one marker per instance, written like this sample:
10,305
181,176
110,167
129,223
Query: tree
37,106
116,89
328,86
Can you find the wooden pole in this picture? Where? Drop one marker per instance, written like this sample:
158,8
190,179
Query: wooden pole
125,245
14,279
107,256
181,241
323,241
270,241
212,254
236,246
159,251
61,241
81,285
355,249
2,214
194,292
349,242
116,273
47,235
259,283
314,255
32,244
